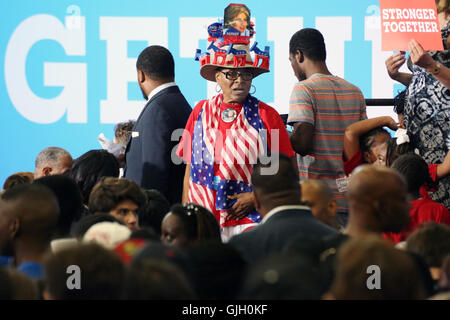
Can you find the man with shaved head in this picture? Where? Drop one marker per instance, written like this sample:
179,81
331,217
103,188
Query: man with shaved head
277,199
317,195
52,160
28,219
377,198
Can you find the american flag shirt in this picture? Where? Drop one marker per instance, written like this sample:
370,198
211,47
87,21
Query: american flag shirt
221,160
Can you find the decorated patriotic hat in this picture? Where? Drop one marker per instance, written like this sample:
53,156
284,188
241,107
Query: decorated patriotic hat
229,45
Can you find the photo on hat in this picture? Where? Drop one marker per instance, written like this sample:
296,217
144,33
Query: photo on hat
237,20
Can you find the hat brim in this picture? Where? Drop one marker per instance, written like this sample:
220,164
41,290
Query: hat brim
208,71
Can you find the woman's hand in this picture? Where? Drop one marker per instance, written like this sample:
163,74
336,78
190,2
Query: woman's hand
393,64
244,204
419,56
423,59
391,123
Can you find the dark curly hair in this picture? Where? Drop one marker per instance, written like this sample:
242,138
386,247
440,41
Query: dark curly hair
199,222
415,170
90,167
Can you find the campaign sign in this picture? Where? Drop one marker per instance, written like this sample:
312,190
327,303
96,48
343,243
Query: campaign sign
403,20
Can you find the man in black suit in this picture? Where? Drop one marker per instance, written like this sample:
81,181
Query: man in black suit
277,199
149,159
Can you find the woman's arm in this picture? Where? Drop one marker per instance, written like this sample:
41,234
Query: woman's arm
424,60
443,169
187,174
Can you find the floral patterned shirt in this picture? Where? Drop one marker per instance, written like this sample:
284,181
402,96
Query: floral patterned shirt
427,116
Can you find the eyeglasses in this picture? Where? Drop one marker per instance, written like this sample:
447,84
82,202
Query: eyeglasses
234,74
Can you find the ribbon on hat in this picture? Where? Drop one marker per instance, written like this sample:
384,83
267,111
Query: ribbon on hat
402,136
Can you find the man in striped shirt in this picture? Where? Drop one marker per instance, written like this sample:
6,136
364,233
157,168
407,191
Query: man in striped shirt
320,108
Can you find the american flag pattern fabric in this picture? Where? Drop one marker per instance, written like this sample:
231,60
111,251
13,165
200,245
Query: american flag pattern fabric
245,141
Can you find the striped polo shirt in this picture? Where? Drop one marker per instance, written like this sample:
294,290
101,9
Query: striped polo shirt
330,104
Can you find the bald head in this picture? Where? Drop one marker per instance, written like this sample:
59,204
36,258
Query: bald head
279,188
377,197
32,212
318,187
52,160
400,277
317,195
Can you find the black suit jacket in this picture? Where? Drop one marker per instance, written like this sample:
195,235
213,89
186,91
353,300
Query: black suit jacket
149,152
273,235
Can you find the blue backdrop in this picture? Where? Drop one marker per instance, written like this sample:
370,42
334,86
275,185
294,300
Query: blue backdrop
68,73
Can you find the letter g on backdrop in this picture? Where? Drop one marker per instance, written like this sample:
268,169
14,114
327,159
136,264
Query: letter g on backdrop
71,76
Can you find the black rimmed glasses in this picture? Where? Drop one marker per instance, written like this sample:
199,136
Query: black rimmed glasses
234,74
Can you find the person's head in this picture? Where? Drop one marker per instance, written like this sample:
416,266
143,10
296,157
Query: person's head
52,160
273,189
153,279
122,132
373,146
443,6
210,259
377,199
107,234
282,276
395,150
120,197
186,225
306,45
370,268
235,83
154,210
90,167
321,252
415,170
93,272
317,195
28,218
69,199
88,221
18,179
160,251
432,242
155,66
237,16
15,285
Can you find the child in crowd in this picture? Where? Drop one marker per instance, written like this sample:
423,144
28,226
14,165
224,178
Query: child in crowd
186,225
367,141
416,173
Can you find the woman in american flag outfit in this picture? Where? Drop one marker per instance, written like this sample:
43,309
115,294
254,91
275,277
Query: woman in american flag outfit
226,134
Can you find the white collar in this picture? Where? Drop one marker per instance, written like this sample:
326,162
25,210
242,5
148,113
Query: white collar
282,208
160,88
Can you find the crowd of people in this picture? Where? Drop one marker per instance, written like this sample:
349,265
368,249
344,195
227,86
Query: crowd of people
343,207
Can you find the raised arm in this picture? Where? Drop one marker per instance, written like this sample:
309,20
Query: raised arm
424,60
357,129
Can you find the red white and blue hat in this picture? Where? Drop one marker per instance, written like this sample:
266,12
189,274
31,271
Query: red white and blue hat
229,47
